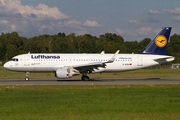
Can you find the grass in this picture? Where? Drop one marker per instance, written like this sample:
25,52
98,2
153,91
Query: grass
143,73
132,102
90,102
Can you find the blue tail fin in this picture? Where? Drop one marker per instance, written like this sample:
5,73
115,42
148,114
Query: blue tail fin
159,44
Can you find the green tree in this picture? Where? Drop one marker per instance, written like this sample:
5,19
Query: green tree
173,47
143,44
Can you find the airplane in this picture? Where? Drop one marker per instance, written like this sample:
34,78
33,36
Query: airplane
68,65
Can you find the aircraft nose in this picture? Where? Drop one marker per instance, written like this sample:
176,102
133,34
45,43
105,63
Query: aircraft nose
6,65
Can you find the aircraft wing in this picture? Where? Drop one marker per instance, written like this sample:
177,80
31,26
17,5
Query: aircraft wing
94,65
113,58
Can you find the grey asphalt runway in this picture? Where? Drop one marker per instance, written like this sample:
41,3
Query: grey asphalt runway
108,81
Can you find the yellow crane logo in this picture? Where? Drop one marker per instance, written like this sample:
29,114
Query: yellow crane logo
161,41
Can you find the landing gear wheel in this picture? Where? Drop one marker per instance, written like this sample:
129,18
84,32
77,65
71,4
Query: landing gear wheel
27,76
26,79
85,78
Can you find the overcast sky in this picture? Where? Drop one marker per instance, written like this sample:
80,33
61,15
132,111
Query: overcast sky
132,19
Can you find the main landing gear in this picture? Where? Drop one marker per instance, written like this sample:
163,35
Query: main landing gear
27,76
85,78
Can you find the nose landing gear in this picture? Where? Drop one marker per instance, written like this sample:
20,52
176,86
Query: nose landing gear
27,76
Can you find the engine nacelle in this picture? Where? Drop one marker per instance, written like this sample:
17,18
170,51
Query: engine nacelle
64,73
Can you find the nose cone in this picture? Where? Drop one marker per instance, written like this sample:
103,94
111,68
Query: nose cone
7,66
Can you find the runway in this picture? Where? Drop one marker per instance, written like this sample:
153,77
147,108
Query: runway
98,81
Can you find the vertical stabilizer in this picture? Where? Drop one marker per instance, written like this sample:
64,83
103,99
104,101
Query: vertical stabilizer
159,44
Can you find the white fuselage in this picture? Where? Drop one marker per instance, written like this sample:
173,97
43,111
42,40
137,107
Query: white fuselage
52,62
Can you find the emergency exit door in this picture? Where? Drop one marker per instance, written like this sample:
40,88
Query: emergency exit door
27,60
139,61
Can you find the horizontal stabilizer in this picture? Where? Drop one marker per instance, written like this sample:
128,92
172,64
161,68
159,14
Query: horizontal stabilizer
164,59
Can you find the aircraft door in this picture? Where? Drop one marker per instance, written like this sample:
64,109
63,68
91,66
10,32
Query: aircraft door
27,60
139,61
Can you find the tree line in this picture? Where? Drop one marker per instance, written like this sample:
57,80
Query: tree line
11,44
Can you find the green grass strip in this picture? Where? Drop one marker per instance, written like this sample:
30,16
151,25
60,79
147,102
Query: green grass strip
132,102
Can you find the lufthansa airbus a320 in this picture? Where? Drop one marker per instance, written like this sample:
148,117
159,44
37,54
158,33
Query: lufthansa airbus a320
68,65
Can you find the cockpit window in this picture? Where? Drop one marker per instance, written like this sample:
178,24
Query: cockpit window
14,59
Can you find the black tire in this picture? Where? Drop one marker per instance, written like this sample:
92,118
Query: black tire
85,78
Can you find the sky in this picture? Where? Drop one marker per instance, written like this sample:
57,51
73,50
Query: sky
131,19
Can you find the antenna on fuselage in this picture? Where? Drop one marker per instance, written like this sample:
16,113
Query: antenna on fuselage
102,52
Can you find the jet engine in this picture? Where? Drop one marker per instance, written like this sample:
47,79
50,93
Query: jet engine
65,73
